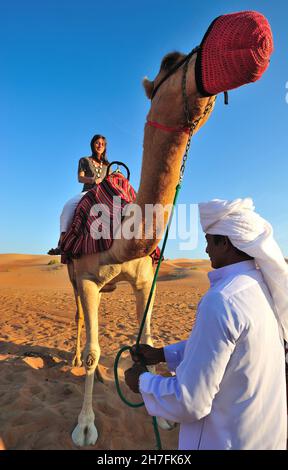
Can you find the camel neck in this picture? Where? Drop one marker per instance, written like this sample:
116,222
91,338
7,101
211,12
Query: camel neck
160,172
186,130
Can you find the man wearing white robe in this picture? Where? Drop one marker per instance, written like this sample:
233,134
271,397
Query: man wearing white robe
228,391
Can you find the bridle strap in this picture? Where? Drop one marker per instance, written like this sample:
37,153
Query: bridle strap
190,123
173,70
186,130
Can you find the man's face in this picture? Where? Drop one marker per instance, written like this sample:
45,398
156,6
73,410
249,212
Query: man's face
216,252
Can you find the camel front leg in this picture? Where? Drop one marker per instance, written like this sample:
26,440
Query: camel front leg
142,294
85,432
79,319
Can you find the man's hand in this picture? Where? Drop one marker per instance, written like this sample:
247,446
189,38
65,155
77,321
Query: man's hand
146,355
132,377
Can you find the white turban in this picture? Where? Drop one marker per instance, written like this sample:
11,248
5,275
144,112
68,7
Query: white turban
252,234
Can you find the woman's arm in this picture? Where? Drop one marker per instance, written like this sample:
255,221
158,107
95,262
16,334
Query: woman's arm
85,179
84,170
85,174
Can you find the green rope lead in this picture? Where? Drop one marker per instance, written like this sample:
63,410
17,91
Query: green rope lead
133,405
193,125
117,359
126,348
178,187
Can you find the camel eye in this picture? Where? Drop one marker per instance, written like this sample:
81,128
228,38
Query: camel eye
167,62
170,60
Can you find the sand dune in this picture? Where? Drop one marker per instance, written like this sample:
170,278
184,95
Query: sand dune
40,393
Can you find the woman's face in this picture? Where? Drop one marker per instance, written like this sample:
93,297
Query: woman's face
99,146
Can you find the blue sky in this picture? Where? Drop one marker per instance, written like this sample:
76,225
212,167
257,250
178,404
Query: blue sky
71,69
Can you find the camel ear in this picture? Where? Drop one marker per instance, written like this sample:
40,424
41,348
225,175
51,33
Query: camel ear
148,87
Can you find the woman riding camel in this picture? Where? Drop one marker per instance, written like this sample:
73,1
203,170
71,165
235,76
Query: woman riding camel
91,171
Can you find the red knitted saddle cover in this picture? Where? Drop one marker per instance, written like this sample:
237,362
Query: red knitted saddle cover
96,216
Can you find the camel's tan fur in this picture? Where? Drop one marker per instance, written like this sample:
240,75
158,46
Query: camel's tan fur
87,285
127,259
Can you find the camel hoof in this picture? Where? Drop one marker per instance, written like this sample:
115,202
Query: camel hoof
85,435
77,361
165,424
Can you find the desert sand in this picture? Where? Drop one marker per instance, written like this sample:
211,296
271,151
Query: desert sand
40,393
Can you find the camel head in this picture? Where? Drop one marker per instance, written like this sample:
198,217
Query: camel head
168,61
166,92
235,51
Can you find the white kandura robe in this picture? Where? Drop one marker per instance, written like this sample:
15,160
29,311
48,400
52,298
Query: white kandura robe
229,389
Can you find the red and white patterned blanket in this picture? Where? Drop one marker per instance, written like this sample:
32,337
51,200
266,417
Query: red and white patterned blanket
97,216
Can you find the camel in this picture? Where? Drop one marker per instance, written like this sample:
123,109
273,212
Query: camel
182,88
90,274
140,274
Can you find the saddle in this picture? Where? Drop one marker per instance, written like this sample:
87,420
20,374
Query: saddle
97,217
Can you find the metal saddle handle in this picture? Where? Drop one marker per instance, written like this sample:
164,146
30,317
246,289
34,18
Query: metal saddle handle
118,163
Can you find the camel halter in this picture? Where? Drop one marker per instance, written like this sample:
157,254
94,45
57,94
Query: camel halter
193,125
185,61
189,122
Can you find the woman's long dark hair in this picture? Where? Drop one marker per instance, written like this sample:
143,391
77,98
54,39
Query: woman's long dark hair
94,154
